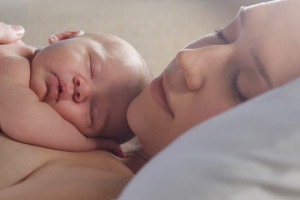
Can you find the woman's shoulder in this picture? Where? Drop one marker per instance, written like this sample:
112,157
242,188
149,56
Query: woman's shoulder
100,159
23,164
90,175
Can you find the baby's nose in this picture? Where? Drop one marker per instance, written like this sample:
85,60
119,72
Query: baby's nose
82,91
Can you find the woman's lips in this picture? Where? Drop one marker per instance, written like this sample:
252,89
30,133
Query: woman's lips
159,94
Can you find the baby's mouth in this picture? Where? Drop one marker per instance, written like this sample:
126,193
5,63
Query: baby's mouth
60,90
55,88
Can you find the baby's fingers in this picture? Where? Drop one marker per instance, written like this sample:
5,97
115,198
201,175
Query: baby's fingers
10,33
64,35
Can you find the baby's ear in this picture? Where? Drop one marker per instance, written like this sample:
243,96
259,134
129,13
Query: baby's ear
64,35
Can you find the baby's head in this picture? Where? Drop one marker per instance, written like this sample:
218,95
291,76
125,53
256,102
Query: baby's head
90,81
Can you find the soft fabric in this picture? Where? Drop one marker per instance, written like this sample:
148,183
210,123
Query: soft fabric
251,152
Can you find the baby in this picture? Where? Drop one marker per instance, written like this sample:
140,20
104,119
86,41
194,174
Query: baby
72,95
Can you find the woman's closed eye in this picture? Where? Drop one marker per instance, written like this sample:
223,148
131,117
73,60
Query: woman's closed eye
234,87
237,94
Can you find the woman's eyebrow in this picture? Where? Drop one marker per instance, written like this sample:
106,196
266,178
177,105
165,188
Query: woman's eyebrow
260,68
221,36
241,17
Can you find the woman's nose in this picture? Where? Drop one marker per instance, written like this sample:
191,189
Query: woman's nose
82,90
200,65
193,69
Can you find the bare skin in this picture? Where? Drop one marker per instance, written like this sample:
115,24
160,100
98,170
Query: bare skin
32,172
94,76
38,171
14,86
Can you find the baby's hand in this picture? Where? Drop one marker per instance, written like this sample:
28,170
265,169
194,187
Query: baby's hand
104,144
10,33
64,35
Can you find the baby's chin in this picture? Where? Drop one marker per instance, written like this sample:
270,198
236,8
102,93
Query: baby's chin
37,89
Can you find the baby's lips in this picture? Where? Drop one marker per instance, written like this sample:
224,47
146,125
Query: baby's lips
66,91
54,88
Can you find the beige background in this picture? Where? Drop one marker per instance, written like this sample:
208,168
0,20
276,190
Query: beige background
156,28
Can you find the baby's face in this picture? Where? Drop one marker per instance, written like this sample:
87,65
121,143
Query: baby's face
90,81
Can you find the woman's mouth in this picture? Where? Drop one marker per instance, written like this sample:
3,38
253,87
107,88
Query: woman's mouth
159,94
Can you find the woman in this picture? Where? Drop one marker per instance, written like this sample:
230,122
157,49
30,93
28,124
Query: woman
257,51
211,75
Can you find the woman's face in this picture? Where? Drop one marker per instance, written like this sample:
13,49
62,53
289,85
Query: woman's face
257,51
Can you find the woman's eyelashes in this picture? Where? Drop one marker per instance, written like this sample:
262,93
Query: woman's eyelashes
237,94
234,87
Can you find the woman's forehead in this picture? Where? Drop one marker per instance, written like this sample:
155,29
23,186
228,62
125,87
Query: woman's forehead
275,7
273,16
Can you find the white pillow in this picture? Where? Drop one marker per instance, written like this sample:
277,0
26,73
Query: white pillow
251,152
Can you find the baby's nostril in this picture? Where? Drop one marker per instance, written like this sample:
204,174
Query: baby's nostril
78,95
